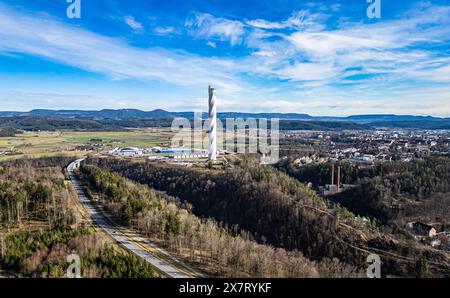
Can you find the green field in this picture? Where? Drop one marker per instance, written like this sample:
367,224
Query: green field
38,144
77,143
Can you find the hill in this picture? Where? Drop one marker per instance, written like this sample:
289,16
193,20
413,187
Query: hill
8,125
278,210
132,118
34,123
422,124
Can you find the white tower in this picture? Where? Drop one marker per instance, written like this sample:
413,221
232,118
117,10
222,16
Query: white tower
212,124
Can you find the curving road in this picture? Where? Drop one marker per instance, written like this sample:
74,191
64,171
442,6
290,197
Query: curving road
120,237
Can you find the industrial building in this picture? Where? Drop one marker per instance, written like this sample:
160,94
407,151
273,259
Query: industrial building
127,152
331,189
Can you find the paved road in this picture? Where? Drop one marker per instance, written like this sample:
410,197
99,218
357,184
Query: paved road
98,218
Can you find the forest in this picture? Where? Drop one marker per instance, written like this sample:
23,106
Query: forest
387,191
43,254
40,226
218,249
35,190
52,123
279,210
243,220
8,132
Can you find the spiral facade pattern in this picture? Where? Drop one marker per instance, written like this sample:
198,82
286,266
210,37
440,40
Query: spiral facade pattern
212,138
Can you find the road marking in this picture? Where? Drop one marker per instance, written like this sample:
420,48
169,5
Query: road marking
119,236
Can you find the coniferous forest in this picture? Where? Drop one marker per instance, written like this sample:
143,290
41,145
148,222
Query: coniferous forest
278,210
243,220
389,192
40,226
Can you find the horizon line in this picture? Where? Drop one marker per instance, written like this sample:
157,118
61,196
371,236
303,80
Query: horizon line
444,117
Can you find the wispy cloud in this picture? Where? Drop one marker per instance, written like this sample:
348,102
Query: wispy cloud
90,51
135,25
212,44
297,62
400,50
299,20
207,26
165,30
263,53
27,100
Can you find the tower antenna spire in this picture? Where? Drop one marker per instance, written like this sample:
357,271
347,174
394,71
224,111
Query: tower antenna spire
212,137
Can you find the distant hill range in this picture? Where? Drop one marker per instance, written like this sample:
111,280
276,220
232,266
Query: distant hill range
138,118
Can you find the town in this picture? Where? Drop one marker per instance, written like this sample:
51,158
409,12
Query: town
367,146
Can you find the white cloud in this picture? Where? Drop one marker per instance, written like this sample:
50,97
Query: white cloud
301,19
165,30
77,47
397,64
265,53
393,51
28,100
308,72
440,74
135,25
263,24
212,44
207,26
331,44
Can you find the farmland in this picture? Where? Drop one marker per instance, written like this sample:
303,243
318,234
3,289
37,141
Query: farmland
42,144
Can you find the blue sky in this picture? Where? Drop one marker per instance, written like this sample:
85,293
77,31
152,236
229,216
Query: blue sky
316,57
